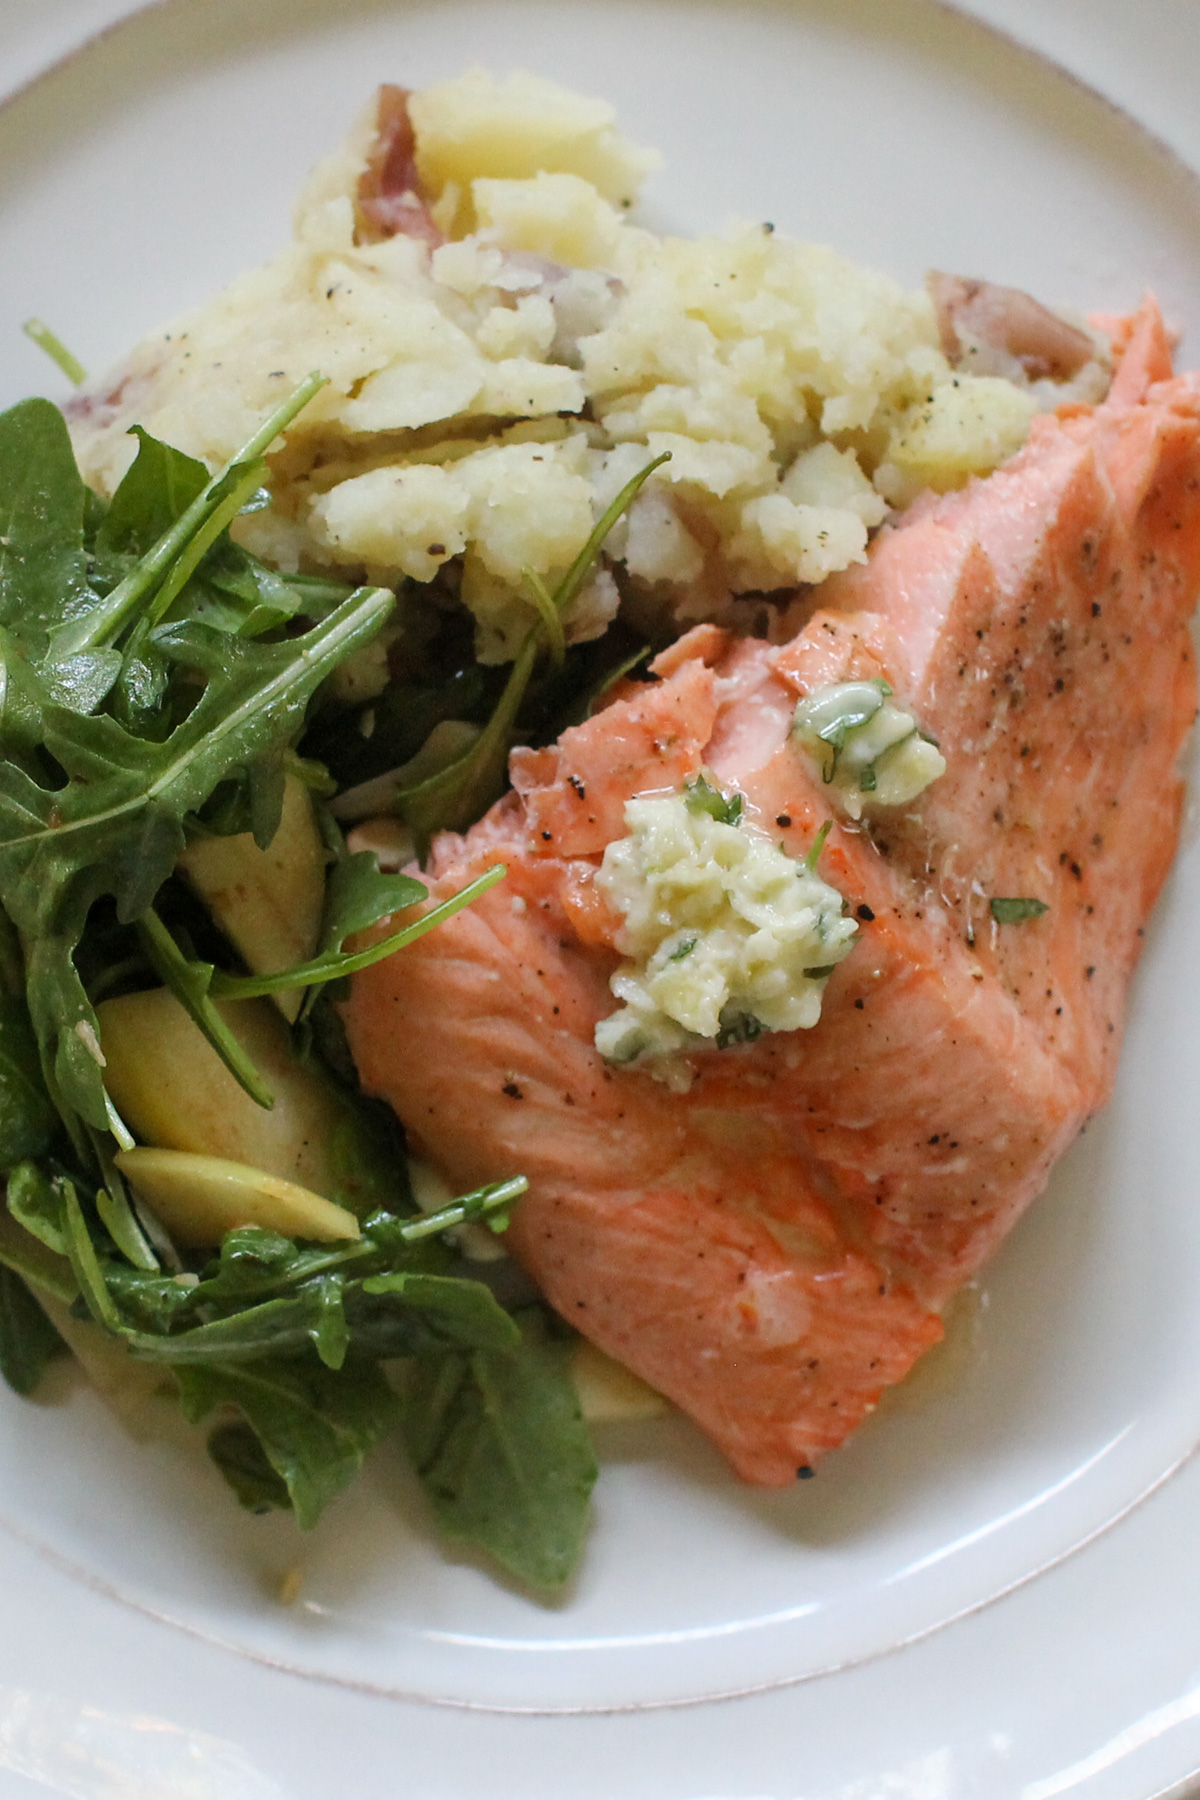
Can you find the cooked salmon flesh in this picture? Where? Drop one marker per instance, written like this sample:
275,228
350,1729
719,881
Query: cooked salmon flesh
774,1246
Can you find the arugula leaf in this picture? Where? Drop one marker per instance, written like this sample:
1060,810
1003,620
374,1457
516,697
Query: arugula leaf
156,489
459,794
1013,911
43,569
116,827
118,1213
397,1313
358,895
266,1296
41,1269
234,592
551,618
258,1265
249,1255
27,1119
148,588
500,1446
38,1202
27,1338
190,981
239,1455
227,588
491,1203
330,1331
456,1311
85,1262
316,1427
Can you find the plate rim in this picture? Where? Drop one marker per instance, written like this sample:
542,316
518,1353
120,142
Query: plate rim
128,19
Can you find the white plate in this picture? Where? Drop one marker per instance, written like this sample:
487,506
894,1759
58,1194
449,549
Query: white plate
134,180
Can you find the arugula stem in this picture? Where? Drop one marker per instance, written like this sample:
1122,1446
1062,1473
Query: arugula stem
580,569
479,1205
456,796
816,847
85,1264
56,350
204,539
189,982
338,963
116,1210
129,597
117,1125
550,616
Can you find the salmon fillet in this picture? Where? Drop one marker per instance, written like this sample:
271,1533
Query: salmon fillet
774,1247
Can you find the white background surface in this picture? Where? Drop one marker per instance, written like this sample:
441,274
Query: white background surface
1087,1681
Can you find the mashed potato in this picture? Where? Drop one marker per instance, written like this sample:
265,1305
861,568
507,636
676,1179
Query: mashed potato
498,371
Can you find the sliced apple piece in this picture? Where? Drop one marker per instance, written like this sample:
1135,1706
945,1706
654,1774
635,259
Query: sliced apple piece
267,902
175,1093
200,1198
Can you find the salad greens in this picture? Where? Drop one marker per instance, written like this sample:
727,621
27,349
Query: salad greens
158,683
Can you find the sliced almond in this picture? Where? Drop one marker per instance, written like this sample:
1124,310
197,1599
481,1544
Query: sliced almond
200,1198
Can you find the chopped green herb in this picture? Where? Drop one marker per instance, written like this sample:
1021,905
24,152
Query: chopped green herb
682,949
1013,911
823,720
744,1028
816,847
702,797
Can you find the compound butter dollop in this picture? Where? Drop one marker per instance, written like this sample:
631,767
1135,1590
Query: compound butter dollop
726,935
